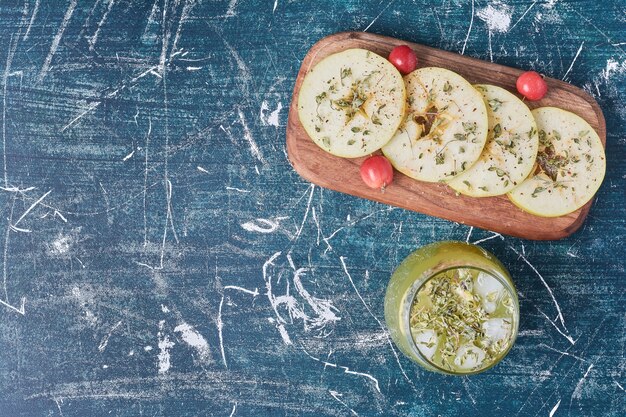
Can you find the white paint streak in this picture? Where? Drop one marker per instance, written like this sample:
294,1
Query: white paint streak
498,18
29,209
493,236
254,148
239,190
17,310
272,299
580,48
612,67
247,291
383,328
220,322
116,91
127,157
271,119
379,15
345,369
184,15
261,226
579,387
165,345
105,340
355,221
92,41
32,19
469,30
220,334
58,403
465,381
5,82
556,407
230,12
323,309
284,334
275,6
469,234
194,339
545,284
232,413
202,169
568,337
336,396
56,40
523,15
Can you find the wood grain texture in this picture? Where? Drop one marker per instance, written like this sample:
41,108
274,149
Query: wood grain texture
497,214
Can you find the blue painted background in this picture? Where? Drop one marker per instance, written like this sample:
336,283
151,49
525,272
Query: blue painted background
161,257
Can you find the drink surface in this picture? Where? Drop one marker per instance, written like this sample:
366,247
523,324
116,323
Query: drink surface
462,320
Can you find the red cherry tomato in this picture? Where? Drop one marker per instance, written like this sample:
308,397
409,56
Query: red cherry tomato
377,172
403,58
532,85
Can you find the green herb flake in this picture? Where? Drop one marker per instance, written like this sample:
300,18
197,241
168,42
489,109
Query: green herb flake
320,97
431,96
499,172
469,127
495,104
447,87
497,131
537,191
355,129
345,72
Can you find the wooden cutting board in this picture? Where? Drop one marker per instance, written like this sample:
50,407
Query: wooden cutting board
493,213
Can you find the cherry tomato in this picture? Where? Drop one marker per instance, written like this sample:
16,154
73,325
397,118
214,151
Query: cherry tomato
403,58
532,85
377,172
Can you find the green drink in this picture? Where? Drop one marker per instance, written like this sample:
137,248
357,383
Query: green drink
452,308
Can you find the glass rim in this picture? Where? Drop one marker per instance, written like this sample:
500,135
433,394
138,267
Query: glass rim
429,274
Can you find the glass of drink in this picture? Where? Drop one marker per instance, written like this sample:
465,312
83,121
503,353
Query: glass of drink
452,308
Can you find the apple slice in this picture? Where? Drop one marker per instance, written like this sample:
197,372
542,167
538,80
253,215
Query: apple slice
352,102
570,165
445,129
511,149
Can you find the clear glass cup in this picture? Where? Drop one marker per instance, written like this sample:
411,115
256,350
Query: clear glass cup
416,270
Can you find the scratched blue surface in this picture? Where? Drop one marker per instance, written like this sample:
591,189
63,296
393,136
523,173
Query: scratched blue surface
162,258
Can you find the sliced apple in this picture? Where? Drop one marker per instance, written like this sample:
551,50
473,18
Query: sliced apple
445,129
511,149
570,165
352,102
